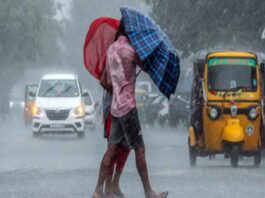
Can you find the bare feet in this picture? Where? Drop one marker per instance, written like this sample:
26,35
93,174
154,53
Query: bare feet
109,195
154,195
98,195
118,194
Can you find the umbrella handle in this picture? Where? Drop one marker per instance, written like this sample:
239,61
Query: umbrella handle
138,73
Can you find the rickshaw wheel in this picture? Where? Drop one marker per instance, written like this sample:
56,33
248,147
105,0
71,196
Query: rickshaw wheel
192,155
257,159
235,155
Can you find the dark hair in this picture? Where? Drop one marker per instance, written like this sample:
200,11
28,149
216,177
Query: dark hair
120,31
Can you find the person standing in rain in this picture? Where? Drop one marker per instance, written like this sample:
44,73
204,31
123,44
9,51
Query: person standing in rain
125,126
112,185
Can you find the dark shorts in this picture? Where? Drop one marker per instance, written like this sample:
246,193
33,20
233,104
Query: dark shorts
126,130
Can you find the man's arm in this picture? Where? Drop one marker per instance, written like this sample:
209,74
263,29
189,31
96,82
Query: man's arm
104,81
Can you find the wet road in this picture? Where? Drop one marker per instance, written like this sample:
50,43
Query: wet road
63,166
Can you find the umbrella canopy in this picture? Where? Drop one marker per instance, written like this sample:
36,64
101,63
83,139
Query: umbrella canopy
99,37
154,49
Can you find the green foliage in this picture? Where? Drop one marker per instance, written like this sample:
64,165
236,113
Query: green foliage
199,24
28,37
27,31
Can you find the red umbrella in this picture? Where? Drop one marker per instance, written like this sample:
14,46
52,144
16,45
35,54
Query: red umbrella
99,37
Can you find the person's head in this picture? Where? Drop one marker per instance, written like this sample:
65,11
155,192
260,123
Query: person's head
121,30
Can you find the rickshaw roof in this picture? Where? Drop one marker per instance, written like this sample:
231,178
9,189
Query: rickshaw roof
201,55
232,54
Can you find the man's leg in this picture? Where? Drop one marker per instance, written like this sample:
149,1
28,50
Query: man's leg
105,169
132,130
143,172
113,150
120,163
108,182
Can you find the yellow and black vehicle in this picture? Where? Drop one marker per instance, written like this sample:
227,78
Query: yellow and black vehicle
226,106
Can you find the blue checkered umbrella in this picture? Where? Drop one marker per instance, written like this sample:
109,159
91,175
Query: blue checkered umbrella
154,49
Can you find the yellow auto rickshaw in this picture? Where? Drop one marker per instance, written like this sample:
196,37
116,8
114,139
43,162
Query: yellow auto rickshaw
226,106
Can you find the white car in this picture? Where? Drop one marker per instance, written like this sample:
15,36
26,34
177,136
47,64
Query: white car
58,105
90,111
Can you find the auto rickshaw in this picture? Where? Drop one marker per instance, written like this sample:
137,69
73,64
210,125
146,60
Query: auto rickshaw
226,106
29,103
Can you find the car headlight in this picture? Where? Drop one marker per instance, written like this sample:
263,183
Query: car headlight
22,104
79,111
36,111
252,115
11,104
214,113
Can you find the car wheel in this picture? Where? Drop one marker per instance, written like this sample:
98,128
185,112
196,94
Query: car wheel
235,156
257,159
161,121
192,155
81,134
36,134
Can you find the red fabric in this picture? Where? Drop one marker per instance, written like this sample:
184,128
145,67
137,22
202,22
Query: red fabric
121,158
108,125
99,37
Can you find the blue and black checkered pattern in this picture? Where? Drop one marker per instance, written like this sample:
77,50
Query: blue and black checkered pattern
154,49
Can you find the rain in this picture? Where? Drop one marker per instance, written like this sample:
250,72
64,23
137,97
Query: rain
41,56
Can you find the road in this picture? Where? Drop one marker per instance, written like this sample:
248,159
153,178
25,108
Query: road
63,166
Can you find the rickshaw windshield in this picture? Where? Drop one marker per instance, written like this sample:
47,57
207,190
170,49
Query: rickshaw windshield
232,74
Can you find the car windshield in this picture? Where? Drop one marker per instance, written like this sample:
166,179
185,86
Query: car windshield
58,88
232,74
88,100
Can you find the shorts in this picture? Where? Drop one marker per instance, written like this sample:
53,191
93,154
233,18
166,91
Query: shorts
127,129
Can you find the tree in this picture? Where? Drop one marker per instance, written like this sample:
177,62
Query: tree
200,24
28,36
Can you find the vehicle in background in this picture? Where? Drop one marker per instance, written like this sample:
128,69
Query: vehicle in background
16,104
153,105
163,113
59,107
90,111
144,85
141,97
29,103
227,106
179,109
